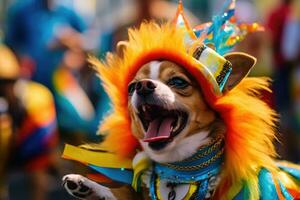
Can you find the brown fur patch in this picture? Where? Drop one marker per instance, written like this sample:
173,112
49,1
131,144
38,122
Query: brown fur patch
143,73
191,98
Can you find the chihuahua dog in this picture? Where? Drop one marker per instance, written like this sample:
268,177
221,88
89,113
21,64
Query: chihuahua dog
189,122
170,118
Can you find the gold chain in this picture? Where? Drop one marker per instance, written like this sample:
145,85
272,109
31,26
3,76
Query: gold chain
196,167
218,137
217,142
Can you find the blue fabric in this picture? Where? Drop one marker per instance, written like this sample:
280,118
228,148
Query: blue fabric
68,118
284,192
67,115
225,79
292,171
153,187
201,176
36,143
240,196
187,176
202,189
243,194
30,29
116,174
220,34
181,176
267,186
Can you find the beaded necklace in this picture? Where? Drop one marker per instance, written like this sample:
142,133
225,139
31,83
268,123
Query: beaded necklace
197,170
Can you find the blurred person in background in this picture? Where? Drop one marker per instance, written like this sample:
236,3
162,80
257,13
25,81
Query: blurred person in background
275,25
50,42
39,32
28,127
80,101
290,49
158,10
255,43
282,27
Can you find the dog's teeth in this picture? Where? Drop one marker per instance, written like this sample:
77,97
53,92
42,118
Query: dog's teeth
144,108
177,124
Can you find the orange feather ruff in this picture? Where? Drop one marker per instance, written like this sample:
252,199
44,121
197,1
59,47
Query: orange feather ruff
249,121
249,136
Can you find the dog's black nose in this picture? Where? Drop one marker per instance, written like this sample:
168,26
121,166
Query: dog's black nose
145,87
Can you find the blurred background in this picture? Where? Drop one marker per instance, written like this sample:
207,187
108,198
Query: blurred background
49,96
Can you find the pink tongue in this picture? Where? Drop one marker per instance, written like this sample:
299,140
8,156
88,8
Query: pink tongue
158,130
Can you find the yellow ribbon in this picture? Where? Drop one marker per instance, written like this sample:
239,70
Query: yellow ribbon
189,194
140,163
102,159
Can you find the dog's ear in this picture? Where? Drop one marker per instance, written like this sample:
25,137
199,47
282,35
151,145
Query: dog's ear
241,66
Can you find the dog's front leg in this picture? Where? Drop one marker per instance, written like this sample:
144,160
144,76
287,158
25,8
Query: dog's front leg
83,188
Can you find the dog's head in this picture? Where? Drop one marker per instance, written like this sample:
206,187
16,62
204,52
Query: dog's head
169,114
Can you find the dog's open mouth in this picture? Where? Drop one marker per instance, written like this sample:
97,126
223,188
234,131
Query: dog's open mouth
161,125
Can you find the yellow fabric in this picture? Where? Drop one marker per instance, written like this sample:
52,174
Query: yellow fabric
9,66
288,164
157,186
192,190
188,196
213,61
38,101
138,169
103,159
234,190
287,180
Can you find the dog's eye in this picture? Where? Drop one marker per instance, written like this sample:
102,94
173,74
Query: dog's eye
178,82
131,88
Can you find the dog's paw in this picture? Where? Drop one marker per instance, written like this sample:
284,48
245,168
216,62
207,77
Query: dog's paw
83,188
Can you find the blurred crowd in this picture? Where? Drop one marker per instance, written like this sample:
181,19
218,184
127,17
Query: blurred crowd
50,96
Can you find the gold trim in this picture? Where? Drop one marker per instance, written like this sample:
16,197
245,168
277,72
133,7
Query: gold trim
196,167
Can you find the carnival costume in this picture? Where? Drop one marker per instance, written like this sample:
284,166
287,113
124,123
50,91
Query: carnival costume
33,134
242,159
